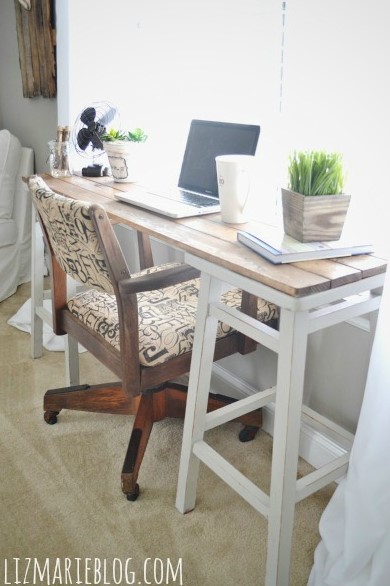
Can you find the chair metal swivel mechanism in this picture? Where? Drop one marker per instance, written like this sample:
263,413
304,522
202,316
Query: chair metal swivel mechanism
139,326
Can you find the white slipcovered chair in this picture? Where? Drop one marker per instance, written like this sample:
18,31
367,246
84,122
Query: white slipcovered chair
15,214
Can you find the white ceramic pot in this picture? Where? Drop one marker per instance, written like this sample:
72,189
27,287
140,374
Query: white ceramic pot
123,157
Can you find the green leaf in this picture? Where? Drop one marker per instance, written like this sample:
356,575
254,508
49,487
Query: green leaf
316,173
111,135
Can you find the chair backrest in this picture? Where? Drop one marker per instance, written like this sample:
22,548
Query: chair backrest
72,236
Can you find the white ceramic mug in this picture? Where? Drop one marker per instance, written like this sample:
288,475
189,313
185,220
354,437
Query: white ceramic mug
234,173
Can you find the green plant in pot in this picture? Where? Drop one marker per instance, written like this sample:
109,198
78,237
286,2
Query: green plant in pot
314,206
113,135
122,148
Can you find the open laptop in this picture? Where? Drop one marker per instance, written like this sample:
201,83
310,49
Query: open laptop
197,189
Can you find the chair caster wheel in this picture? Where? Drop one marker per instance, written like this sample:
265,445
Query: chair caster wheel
132,496
50,417
248,433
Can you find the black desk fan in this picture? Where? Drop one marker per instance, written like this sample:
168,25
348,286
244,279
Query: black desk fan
87,131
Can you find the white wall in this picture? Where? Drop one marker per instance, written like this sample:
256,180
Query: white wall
336,94
164,63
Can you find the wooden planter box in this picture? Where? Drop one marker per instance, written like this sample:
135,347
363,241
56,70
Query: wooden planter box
314,218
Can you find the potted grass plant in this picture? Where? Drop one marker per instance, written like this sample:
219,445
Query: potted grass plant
314,205
123,151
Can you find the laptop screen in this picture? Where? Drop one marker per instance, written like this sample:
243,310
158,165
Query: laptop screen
206,140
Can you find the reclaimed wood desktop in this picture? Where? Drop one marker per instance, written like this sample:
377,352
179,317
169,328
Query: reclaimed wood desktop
312,295
209,238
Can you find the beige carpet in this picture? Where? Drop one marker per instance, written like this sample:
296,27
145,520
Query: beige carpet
60,493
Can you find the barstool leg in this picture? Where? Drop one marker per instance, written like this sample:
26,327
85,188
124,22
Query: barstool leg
198,392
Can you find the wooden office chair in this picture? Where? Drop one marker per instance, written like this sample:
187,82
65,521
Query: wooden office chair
139,326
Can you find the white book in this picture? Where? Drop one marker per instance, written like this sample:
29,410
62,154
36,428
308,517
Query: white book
274,245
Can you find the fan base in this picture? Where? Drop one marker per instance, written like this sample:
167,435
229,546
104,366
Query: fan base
94,171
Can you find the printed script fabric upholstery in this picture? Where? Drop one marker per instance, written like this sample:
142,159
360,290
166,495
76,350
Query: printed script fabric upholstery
72,236
166,318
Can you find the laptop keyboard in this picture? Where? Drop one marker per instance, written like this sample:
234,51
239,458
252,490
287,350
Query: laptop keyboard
196,199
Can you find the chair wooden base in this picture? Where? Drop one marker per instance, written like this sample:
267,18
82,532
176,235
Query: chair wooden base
168,400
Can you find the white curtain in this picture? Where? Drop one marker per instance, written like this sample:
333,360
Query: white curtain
355,526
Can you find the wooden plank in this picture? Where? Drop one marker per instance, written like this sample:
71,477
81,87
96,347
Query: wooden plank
29,87
337,273
71,188
32,33
212,224
288,279
45,36
368,264
36,40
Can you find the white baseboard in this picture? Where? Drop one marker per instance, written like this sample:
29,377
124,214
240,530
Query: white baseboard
315,448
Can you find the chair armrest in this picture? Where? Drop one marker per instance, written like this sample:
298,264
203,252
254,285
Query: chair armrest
158,280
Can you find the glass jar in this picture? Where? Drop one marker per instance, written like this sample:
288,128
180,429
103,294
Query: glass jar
59,158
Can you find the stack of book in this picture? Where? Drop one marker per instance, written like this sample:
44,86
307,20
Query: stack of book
274,245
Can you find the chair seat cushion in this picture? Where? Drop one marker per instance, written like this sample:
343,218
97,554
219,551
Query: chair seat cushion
166,317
